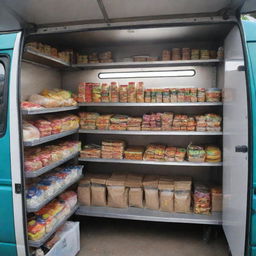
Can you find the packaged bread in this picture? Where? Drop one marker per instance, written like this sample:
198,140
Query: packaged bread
216,194
166,55
166,194
84,190
147,95
30,132
96,92
166,95
170,153
182,195
193,94
105,92
114,92
150,184
134,183
186,54
213,95
176,54
213,154
117,191
123,90
196,153
173,95
140,92
201,94
202,199
91,151
134,153
98,190
180,154
131,92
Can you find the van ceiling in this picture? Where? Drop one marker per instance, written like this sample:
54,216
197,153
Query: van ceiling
116,37
53,12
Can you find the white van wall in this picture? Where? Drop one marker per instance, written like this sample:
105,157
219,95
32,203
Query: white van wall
35,78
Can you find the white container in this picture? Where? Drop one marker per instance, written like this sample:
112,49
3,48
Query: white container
69,243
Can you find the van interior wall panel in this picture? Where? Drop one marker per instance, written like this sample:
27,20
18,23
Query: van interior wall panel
35,78
235,169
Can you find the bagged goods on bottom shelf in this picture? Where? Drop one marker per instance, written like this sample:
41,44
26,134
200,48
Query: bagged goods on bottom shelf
84,190
216,193
134,183
202,199
182,195
99,190
117,191
150,184
42,222
166,194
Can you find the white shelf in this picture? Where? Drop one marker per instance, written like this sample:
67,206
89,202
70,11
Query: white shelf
47,110
147,64
62,189
125,161
40,242
149,215
176,104
49,138
166,133
44,59
34,174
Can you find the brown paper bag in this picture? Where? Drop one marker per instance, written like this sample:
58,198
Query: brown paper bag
134,183
166,194
182,196
84,191
117,191
98,190
150,184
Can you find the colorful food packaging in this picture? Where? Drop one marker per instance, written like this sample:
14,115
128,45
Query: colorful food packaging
134,123
213,122
105,92
153,95
118,122
123,90
167,119
195,54
180,154
166,194
193,94
147,95
131,92
150,184
213,154
88,120
154,152
195,153
114,92
176,54
187,95
43,126
134,153
202,199
213,95
117,191
204,54
91,151
166,95
170,153
159,96
134,183
112,149
186,54
181,95
216,194
103,122
174,95
96,92
166,55
201,94
140,92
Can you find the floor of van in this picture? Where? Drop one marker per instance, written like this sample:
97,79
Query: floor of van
110,237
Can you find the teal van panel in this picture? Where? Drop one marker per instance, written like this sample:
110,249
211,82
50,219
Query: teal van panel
8,249
7,41
249,30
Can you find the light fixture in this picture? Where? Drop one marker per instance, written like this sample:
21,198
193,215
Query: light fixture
148,74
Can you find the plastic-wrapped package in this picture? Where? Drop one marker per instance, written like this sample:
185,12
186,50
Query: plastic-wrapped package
150,184
213,122
202,199
182,195
131,92
166,194
170,154
154,152
186,54
187,97
159,96
44,101
201,94
176,54
166,119
216,194
166,55
180,154
153,95
30,105
134,153
117,191
147,98
196,153
173,95
96,92
112,149
213,95
166,95
140,92
32,163
213,154
47,186
193,94
91,151
105,92
123,90
181,95
114,92
30,132
34,196
88,120
70,198
36,229
44,127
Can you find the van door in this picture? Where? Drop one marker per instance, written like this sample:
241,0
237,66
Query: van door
249,29
12,240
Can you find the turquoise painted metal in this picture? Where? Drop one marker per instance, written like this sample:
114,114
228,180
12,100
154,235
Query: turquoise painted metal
7,230
249,28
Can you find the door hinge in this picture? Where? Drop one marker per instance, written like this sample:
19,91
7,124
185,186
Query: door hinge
241,149
241,68
18,188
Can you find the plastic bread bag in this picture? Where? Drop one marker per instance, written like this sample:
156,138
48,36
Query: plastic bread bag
150,184
70,198
166,194
117,191
34,196
44,101
213,154
180,154
196,153
202,199
30,132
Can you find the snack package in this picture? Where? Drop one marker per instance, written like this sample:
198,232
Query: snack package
117,191
150,184
105,92
213,122
30,105
173,95
134,153
193,94
201,94
84,190
181,95
88,120
213,95
43,126
91,151
140,92
180,154
167,119
166,194
131,92
186,54
114,92
154,152
147,95
159,95
98,190
170,154
182,195
134,183
123,90
36,229
30,132
195,153
213,154
96,92
166,95
216,193
202,199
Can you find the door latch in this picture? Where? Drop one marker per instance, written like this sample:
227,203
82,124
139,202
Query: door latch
241,149
18,188
241,68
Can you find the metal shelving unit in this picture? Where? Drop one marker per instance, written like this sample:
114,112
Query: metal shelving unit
176,104
149,215
47,110
40,242
41,58
142,133
125,161
49,138
34,174
147,64
62,189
